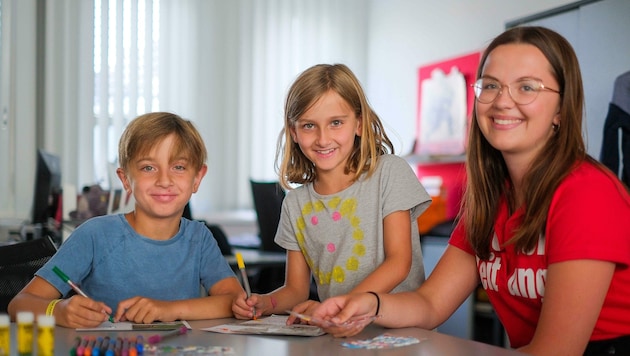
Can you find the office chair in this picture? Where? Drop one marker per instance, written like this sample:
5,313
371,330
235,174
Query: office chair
267,197
18,264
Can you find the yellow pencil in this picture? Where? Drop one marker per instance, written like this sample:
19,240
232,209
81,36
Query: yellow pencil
241,267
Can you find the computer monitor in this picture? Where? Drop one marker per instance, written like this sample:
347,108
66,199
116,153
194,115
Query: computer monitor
114,201
47,196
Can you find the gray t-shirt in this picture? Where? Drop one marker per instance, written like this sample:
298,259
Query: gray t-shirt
341,235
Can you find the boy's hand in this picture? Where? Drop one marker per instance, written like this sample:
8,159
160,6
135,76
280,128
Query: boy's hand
81,312
142,310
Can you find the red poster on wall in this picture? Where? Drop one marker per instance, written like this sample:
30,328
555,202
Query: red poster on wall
445,102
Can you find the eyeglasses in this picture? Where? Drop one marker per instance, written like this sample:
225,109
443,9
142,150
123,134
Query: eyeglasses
525,91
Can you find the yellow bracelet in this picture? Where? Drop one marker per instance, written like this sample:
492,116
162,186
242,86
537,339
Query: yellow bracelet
51,306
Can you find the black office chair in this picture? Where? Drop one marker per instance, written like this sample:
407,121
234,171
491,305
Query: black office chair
18,264
216,230
268,197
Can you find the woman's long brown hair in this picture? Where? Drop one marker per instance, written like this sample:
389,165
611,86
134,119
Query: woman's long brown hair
487,176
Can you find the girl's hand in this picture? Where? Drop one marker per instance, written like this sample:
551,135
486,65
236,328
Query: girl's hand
243,307
305,308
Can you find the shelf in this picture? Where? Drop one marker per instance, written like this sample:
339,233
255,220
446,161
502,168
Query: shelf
434,159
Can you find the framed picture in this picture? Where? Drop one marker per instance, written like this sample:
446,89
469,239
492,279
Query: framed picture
445,102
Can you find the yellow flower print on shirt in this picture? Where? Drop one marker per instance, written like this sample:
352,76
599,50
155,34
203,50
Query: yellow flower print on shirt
314,213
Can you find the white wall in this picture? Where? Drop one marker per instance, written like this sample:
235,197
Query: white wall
598,32
407,34
404,35
17,138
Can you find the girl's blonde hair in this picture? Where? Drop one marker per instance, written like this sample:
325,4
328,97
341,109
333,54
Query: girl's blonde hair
292,165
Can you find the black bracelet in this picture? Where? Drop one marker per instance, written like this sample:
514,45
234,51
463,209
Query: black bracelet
378,302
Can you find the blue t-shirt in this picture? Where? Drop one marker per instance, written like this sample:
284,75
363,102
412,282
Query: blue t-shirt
111,262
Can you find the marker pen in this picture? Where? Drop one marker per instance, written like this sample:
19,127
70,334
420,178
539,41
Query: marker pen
241,267
82,347
89,347
125,347
76,288
96,350
119,344
133,351
77,343
104,346
157,338
110,348
140,344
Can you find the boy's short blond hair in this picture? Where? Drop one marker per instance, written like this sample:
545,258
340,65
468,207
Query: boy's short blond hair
146,131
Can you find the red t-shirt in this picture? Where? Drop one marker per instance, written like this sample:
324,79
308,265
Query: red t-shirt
588,219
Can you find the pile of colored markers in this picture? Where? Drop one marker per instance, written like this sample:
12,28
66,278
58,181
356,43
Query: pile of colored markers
105,346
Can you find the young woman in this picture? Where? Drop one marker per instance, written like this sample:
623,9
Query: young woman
352,223
543,227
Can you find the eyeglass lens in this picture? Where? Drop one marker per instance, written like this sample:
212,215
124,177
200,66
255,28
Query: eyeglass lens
522,92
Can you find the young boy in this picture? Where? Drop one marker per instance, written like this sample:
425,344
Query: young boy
146,265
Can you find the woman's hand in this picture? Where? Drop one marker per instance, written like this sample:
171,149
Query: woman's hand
345,315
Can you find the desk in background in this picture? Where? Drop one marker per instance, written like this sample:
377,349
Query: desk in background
10,230
239,226
257,258
265,268
432,343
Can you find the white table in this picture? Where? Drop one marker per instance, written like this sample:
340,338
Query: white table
432,343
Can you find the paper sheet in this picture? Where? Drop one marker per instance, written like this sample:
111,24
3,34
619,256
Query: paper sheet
272,325
384,341
128,326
